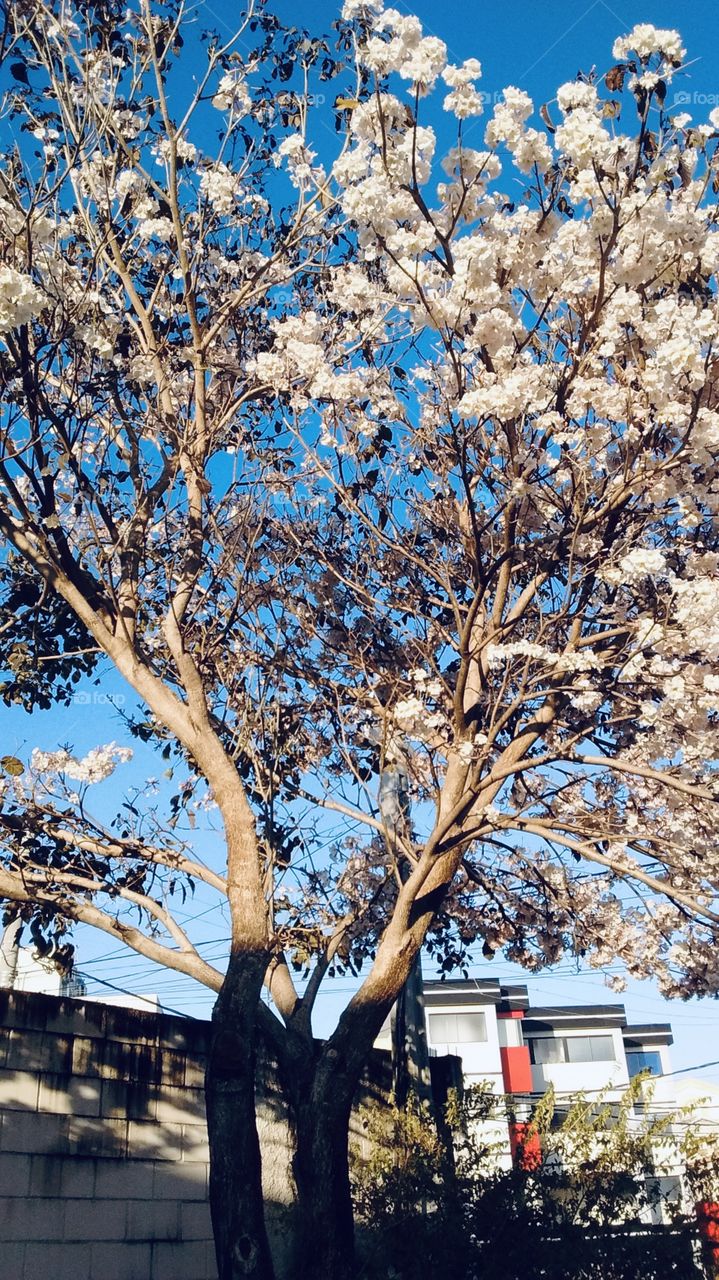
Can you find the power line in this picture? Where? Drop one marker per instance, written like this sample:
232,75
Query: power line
621,1087
135,996
699,1066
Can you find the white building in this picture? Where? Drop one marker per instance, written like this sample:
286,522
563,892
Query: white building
523,1050
22,969
520,1051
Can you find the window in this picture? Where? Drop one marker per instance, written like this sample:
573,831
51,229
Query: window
644,1060
457,1028
546,1050
572,1049
590,1049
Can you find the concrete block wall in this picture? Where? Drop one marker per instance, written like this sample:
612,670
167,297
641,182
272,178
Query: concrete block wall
103,1144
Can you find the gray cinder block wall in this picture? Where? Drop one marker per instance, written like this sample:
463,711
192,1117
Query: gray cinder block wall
103,1144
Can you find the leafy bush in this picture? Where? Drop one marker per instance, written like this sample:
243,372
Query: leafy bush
584,1213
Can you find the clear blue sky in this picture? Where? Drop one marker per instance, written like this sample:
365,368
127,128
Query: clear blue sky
535,46
538,44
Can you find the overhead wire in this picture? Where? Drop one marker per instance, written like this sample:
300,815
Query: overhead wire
165,1008
678,1071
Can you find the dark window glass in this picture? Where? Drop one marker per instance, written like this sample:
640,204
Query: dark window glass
546,1050
644,1060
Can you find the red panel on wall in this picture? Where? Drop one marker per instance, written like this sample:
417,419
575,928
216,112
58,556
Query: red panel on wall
525,1146
516,1069
707,1212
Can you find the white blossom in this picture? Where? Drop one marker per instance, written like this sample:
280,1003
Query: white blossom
99,763
232,94
352,9
221,188
465,99
646,40
20,299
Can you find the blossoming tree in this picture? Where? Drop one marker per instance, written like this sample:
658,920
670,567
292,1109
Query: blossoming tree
392,499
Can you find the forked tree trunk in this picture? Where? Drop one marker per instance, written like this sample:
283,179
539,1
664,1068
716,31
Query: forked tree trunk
319,1084
236,1201
325,1236
322,1091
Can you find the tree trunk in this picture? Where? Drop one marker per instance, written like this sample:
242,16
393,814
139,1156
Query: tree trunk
325,1234
236,1201
410,1056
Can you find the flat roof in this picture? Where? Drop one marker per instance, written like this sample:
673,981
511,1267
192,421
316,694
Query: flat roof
648,1033
464,991
514,998
574,1017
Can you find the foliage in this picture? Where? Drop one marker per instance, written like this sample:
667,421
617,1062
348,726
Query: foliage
581,1213
702,1158
351,473
354,467
44,649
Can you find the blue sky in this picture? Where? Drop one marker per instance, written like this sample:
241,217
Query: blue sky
535,46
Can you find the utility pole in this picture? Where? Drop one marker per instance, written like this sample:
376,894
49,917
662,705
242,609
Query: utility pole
410,1055
9,952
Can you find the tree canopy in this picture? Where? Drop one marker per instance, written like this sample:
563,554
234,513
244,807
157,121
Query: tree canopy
382,465
357,474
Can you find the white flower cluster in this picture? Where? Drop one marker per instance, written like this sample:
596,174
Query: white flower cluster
642,562
645,40
424,683
467,751
233,94
508,117
185,151
352,9
298,351
20,299
465,99
98,339
528,147
48,137
409,712
126,182
576,94
298,362
150,223
99,763
98,82
299,159
420,59
155,229
62,25
414,717
570,660
15,221
221,188
582,136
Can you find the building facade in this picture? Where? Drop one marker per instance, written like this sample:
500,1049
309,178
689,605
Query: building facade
519,1050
